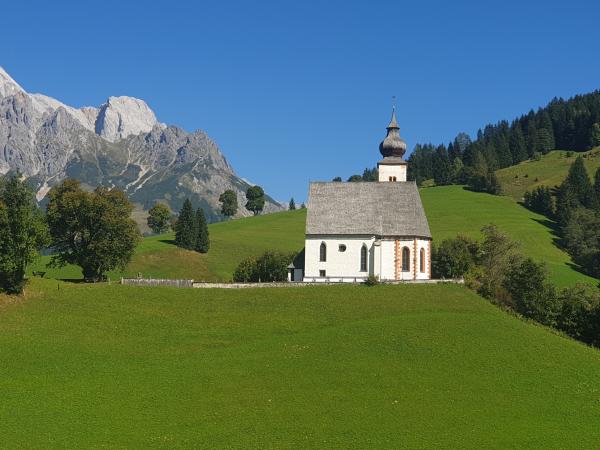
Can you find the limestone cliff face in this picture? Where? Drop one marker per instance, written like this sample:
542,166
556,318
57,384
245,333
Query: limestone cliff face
119,144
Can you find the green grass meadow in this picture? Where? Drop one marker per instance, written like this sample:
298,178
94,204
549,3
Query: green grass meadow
550,171
230,242
411,366
450,210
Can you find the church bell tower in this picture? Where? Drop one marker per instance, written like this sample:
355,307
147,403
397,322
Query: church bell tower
392,168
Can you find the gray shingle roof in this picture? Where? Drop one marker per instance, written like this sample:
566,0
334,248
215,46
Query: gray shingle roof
373,208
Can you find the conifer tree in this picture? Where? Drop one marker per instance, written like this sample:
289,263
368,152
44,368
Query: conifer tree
518,148
185,229
503,152
597,188
532,139
546,141
202,237
595,135
292,205
579,183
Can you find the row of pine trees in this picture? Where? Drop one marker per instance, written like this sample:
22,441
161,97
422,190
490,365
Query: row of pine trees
191,229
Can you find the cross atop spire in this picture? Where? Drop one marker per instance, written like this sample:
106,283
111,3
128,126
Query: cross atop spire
393,122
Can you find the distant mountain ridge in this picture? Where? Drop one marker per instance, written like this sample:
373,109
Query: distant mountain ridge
118,144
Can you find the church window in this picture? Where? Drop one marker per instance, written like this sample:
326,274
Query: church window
322,273
405,259
342,248
390,179
363,258
323,252
422,260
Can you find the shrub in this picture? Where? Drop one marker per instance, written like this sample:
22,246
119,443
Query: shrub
372,280
246,271
579,315
454,257
269,267
531,294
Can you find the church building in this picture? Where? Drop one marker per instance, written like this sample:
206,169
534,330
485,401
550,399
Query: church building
357,229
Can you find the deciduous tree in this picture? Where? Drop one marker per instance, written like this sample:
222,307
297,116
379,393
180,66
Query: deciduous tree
255,196
159,218
229,203
93,230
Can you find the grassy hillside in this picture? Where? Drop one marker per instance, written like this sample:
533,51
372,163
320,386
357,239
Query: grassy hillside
551,170
317,367
230,242
450,210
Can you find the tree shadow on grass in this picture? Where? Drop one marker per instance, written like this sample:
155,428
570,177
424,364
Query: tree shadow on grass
168,241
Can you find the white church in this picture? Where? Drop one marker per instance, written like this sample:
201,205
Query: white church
357,229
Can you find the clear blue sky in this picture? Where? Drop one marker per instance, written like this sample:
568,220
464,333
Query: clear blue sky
294,91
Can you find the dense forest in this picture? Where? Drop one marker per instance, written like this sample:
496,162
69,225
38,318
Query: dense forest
572,124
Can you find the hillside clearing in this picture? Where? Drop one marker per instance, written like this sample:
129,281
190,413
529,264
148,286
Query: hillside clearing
551,170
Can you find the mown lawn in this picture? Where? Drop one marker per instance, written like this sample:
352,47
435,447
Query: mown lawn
550,171
412,366
452,210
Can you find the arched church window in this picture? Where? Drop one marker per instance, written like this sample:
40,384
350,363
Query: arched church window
323,252
422,260
363,258
405,259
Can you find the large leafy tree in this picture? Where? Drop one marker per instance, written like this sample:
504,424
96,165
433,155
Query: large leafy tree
202,238
159,218
185,229
229,203
23,233
255,196
93,230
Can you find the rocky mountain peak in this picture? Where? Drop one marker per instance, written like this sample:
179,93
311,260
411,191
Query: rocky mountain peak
8,86
124,116
120,144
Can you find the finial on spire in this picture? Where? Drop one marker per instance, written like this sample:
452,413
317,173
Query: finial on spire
393,121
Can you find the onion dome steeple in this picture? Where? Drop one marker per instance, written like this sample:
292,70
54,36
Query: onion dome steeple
393,144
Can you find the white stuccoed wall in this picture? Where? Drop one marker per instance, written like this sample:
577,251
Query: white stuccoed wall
339,264
381,260
387,171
